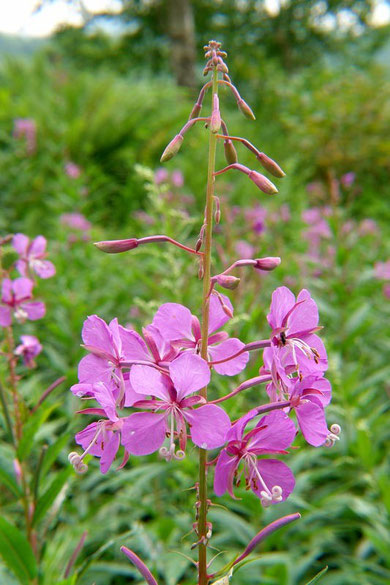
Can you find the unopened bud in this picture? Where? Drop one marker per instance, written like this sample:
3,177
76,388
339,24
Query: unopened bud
262,183
195,111
18,471
117,246
222,67
271,166
245,109
198,244
267,264
230,152
215,121
172,148
227,311
200,270
227,281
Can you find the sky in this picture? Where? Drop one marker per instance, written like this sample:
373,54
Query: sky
17,17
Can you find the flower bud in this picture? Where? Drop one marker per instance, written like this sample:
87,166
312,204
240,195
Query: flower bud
215,121
245,109
227,311
267,264
270,165
227,281
195,111
262,183
230,152
172,148
117,246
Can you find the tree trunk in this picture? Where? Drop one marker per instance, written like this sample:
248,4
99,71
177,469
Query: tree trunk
181,31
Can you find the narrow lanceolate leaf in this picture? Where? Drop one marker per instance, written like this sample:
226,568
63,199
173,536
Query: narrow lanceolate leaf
48,497
8,480
318,576
33,425
16,552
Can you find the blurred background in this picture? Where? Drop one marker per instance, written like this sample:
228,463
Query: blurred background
90,94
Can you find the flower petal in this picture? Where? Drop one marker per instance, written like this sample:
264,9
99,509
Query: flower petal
96,333
34,310
311,419
94,369
105,398
5,316
109,450
189,373
149,382
224,350
22,288
275,472
278,434
143,432
134,347
44,268
282,301
224,473
38,247
20,244
218,317
209,426
174,321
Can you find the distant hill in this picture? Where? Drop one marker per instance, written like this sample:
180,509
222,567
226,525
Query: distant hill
19,46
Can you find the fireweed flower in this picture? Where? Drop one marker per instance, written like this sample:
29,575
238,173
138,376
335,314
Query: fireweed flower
16,298
172,408
28,349
32,256
176,324
271,480
102,438
294,324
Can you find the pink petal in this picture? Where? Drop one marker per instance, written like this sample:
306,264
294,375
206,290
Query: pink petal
6,291
109,451
218,317
117,341
44,268
224,350
34,310
105,398
22,288
82,390
149,382
20,244
174,321
224,473
96,333
305,316
5,316
131,396
209,426
38,247
189,373
275,472
21,266
282,301
143,432
278,434
237,430
311,419
94,369
133,346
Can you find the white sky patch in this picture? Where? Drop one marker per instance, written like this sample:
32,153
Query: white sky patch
17,17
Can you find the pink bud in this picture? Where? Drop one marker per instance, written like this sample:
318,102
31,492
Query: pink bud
227,281
18,471
200,271
117,246
262,183
215,121
271,166
172,148
245,109
195,111
227,311
230,152
267,264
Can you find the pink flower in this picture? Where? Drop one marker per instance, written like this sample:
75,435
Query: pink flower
294,323
244,250
382,270
271,480
28,349
172,408
348,179
32,256
368,227
161,176
177,178
16,301
72,170
26,127
182,329
76,221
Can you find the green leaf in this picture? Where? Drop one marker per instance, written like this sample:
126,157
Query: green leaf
318,576
48,497
7,480
32,426
52,453
17,552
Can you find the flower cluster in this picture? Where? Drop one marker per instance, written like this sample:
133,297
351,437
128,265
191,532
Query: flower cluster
17,302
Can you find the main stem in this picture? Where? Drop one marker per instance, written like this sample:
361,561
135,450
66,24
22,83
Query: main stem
202,519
